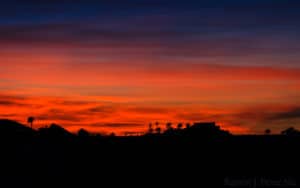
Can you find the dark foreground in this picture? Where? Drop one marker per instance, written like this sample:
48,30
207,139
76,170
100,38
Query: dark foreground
59,159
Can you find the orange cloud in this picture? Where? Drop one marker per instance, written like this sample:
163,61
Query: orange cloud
119,117
59,88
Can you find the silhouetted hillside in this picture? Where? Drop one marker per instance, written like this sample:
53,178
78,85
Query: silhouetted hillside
54,131
10,128
197,155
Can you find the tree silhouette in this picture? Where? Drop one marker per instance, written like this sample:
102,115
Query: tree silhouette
187,126
30,120
112,134
267,131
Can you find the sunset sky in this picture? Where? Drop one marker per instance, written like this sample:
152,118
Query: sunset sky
116,65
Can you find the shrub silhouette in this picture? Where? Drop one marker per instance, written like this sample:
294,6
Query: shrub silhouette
291,131
83,133
268,131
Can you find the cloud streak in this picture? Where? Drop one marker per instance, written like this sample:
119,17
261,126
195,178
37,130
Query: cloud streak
290,114
118,125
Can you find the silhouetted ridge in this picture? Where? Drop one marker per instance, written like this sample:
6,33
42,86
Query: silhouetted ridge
10,128
54,131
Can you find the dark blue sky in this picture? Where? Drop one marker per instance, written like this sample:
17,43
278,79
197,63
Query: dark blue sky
225,12
178,28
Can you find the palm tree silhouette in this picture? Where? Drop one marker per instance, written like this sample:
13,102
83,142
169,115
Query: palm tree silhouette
169,126
30,120
150,130
158,130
